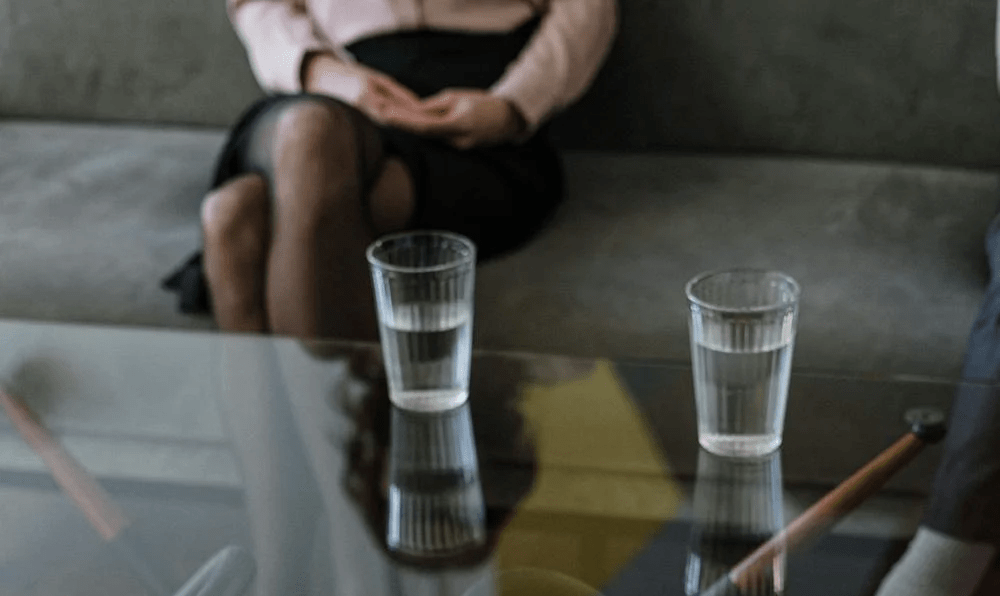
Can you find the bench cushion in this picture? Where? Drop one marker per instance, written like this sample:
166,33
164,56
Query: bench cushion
889,257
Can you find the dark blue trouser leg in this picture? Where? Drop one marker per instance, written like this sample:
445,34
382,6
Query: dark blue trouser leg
965,501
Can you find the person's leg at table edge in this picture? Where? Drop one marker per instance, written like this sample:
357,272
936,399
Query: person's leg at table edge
287,256
960,534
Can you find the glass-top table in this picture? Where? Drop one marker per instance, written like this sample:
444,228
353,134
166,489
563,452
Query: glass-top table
586,473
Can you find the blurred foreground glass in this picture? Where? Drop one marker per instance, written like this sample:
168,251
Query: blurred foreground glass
424,284
435,504
737,507
742,328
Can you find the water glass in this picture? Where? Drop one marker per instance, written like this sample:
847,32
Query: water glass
424,285
742,330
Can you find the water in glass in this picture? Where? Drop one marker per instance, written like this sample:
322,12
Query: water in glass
427,346
741,393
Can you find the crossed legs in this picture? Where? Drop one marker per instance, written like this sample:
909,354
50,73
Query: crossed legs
284,248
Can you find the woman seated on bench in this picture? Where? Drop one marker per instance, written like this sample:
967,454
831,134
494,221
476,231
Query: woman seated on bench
382,116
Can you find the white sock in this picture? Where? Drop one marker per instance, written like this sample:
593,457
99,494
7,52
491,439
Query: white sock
936,564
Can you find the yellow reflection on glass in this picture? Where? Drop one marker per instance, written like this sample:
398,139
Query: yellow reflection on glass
602,486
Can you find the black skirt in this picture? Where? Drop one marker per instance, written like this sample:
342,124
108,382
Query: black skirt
498,196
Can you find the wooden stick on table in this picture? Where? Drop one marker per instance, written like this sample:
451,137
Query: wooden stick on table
927,426
229,572
95,503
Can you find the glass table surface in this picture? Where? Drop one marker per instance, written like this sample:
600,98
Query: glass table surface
560,475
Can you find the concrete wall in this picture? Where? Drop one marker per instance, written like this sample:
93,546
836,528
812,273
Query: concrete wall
897,80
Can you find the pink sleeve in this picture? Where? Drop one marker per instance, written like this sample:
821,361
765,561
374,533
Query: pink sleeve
562,58
277,34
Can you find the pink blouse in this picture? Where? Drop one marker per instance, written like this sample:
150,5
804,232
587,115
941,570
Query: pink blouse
553,70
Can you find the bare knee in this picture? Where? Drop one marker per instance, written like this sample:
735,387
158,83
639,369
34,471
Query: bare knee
234,217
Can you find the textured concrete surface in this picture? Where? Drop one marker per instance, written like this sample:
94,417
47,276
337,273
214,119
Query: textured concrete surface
148,61
883,79
895,80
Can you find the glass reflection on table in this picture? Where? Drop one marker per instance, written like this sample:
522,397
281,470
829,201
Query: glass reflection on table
435,502
738,506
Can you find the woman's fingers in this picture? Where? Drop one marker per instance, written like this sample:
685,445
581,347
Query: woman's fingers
377,105
448,114
422,120
387,102
442,102
383,94
423,123
391,88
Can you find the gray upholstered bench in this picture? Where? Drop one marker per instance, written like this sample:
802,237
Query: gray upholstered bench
850,144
